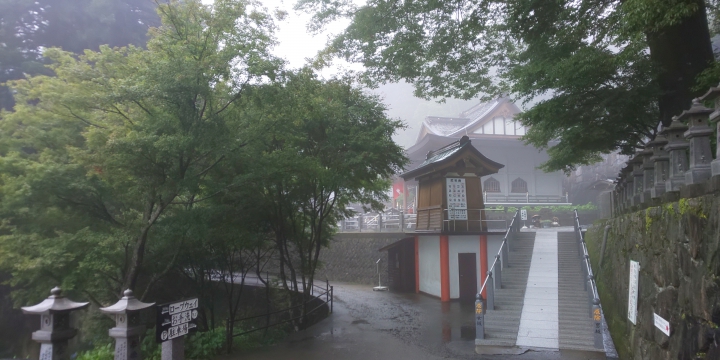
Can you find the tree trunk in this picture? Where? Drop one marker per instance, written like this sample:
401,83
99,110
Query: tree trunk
681,52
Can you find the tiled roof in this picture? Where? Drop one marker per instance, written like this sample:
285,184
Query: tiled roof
443,153
447,126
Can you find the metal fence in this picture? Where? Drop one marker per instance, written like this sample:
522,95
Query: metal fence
379,222
283,316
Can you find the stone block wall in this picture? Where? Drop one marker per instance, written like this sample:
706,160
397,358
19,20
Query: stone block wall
678,248
351,258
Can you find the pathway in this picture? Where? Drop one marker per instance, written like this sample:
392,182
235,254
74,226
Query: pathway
387,325
539,319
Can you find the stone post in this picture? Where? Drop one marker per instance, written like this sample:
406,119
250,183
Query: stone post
626,174
128,327
637,179
479,317
648,175
660,162
698,136
490,291
55,330
714,94
676,147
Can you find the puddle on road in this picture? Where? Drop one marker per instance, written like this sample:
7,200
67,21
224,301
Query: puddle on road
356,322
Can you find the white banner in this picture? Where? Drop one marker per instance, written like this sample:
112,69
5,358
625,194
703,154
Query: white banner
633,291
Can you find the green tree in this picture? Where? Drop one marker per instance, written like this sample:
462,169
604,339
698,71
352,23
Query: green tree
606,72
316,147
29,26
96,161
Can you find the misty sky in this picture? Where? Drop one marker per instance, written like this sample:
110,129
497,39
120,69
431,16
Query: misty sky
296,45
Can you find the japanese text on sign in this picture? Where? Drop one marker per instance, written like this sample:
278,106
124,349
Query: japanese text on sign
633,291
176,319
456,199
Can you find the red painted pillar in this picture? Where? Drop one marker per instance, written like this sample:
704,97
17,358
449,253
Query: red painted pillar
444,269
483,262
417,265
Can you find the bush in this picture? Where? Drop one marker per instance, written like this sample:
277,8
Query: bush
102,352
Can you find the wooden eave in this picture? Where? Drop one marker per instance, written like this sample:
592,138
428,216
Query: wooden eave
467,160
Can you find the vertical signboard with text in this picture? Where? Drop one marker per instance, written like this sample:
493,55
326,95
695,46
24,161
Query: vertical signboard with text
633,291
176,319
456,199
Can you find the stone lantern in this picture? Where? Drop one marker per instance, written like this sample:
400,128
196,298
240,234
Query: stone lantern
714,94
648,174
660,160
127,328
55,330
699,137
637,179
627,186
676,147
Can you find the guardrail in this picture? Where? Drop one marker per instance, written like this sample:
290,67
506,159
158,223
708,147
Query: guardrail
590,285
327,292
490,224
378,222
489,198
493,280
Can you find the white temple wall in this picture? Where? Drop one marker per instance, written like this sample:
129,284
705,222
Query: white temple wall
429,264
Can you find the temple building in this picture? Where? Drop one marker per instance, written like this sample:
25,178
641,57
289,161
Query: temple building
453,243
494,132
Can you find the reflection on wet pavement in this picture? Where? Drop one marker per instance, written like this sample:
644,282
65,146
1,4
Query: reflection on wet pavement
386,325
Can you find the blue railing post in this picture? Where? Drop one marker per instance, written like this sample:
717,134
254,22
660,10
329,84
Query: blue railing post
497,269
505,254
490,288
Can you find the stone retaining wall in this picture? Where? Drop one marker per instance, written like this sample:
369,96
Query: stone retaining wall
678,248
351,257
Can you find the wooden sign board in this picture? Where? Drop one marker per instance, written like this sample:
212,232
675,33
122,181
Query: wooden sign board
176,319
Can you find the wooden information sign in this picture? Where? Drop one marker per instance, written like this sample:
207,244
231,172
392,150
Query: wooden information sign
176,319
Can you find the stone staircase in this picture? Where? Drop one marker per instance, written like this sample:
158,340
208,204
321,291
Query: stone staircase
575,324
501,324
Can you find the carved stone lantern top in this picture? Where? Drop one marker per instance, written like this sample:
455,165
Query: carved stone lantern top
696,118
55,303
674,134
128,303
713,94
659,141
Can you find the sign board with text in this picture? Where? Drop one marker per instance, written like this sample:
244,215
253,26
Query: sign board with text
176,319
456,199
633,291
662,324
523,214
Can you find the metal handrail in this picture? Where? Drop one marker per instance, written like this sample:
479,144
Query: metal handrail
594,295
447,220
497,257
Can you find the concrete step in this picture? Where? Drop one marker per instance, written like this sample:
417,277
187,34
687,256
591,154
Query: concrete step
576,327
502,324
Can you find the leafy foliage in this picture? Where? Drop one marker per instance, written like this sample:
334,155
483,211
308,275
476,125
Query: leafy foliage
27,27
98,159
601,75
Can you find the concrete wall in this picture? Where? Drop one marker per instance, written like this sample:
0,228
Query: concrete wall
462,244
429,267
678,248
351,257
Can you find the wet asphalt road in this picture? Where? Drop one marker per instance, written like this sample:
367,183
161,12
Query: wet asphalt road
384,325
